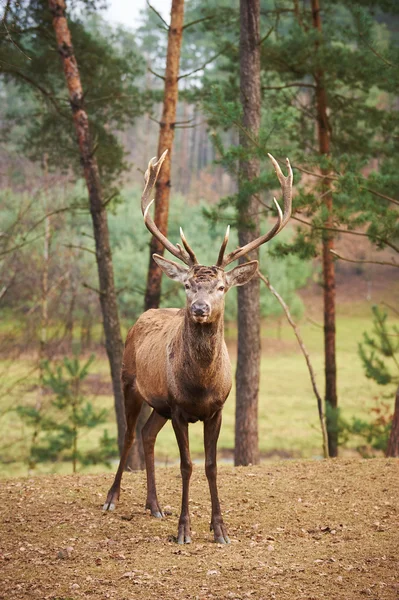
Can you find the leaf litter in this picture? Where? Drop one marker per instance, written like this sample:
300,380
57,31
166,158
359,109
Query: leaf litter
341,541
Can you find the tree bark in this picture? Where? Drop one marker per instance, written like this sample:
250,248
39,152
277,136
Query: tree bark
248,359
393,443
166,136
323,130
113,340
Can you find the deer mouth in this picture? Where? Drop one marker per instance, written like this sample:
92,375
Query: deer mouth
200,318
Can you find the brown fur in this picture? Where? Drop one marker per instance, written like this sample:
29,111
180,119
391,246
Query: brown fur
177,362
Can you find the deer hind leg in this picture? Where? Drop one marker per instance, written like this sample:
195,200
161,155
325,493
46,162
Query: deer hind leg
149,434
181,431
133,403
211,434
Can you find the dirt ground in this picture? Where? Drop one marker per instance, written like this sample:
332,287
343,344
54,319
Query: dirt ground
308,529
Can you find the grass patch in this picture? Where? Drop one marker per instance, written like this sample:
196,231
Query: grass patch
288,421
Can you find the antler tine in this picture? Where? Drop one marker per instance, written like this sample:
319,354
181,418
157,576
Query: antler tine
282,220
190,252
150,177
286,186
223,247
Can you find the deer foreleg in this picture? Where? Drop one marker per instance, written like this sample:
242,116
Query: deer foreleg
133,403
149,434
211,434
181,430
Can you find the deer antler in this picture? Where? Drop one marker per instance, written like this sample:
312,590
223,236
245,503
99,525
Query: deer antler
286,186
150,177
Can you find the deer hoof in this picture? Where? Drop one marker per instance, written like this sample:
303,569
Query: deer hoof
184,534
112,499
222,540
184,539
155,509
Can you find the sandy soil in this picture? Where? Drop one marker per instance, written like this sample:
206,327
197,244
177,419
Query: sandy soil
299,530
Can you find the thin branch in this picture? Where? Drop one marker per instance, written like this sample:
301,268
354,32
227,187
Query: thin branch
214,57
156,74
18,246
93,289
4,23
70,246
336,178
391,307
372,262
307,359
3,291
315,323
377,54
209,17
158,15
288,85
154,120
36,85
381,195
110,197
336,229
266,36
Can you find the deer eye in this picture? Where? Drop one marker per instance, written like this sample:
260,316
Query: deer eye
187,286
221,288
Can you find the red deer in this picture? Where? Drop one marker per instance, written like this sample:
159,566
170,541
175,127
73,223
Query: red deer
176,360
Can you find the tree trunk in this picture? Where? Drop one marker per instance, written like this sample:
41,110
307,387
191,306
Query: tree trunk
323,131
393,443
162,191
248,359
113,340
166,135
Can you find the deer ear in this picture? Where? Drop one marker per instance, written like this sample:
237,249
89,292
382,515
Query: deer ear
170,268
242,274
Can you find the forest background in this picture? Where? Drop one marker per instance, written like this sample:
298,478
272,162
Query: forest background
51,319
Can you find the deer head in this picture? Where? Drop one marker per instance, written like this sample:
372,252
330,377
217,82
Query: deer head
206,286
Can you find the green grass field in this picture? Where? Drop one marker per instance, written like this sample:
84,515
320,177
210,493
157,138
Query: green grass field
288,420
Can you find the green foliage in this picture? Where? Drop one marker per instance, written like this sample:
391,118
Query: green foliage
57,425
375,349
358,60
368,434
35,95
379,354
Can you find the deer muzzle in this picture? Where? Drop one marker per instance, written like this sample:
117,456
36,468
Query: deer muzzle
200,310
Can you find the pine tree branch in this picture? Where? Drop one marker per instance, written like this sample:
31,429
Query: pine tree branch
158,15
288,85
377,54
373,262
156,74
93,289
208,18
319,175
202,67
21,245
264,38
336,229
36,85
77,247
4,23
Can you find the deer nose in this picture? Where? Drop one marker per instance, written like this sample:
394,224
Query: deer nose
200,309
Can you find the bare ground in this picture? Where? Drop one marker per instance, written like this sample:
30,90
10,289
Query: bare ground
299,530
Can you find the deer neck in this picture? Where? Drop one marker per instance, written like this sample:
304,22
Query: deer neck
203,343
